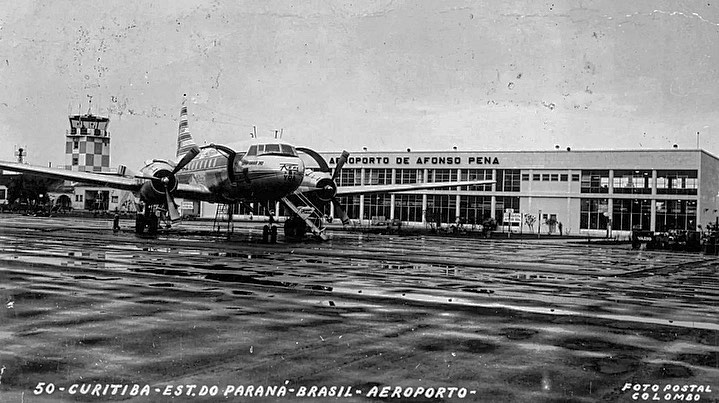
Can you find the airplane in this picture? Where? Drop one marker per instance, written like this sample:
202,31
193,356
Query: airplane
269,170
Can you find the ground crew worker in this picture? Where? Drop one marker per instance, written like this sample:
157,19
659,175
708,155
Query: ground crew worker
116,222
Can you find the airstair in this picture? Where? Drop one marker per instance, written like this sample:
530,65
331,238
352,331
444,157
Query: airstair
224,211
309,213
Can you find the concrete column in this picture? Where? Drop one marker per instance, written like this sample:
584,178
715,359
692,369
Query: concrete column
494,185
610,209
456,209
611,181
493,205
653,183
393,180
424,209
362,171
361,210
391,198
653,219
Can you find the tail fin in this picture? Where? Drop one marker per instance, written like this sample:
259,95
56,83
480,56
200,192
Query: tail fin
184,138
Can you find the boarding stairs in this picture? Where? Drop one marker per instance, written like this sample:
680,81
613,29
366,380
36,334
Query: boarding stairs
309,213
224,211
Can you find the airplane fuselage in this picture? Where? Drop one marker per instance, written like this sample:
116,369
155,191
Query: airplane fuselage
250,177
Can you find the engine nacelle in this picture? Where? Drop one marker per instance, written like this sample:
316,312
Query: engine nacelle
153,191
327,188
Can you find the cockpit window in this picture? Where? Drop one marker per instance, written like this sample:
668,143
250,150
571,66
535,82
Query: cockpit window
276,149
288,150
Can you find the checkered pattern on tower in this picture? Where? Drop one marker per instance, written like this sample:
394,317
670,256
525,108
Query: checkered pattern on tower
184,138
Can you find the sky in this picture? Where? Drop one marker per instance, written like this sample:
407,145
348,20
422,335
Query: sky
386,75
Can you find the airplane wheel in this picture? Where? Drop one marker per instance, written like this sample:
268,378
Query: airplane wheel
301,229
139,224
289,228
265,233
152,224
273,234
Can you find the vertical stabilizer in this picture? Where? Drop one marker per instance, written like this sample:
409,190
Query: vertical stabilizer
184,138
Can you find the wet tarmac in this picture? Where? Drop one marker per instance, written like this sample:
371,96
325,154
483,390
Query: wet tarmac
359,317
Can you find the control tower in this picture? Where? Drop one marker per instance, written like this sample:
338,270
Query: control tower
88,144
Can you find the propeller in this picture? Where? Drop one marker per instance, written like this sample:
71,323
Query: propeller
327,185
338,170
171,206
340,163
186,159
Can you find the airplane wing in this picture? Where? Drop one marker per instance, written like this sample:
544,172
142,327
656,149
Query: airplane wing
115,181
193,191
369,189
112,181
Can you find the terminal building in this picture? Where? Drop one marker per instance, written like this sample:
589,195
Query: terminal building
589,192
593,192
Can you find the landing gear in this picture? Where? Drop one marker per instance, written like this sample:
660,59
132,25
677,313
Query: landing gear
269,234
147,219
295,227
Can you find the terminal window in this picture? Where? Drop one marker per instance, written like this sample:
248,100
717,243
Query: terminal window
442,175
525,177
637,181
410,176
350,177
374,176
476,174
564,177
676,215
475,208
536,177
595,181
503,203
629,214
593,213
683,182
508,180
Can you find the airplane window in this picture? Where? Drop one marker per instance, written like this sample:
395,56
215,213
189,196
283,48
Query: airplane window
288,150
252,150
272,148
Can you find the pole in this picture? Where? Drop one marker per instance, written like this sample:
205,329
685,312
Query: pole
509,225
539,223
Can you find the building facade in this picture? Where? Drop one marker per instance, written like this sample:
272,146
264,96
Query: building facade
87,144
589,192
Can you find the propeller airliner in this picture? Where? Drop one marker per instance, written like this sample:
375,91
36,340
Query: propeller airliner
269,170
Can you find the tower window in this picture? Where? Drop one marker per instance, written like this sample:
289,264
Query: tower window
75,144
74,161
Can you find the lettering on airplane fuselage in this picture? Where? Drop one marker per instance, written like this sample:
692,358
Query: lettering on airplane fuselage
290,171
253,162
428,160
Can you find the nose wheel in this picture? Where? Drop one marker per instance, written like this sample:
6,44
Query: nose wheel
269,234
295,227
